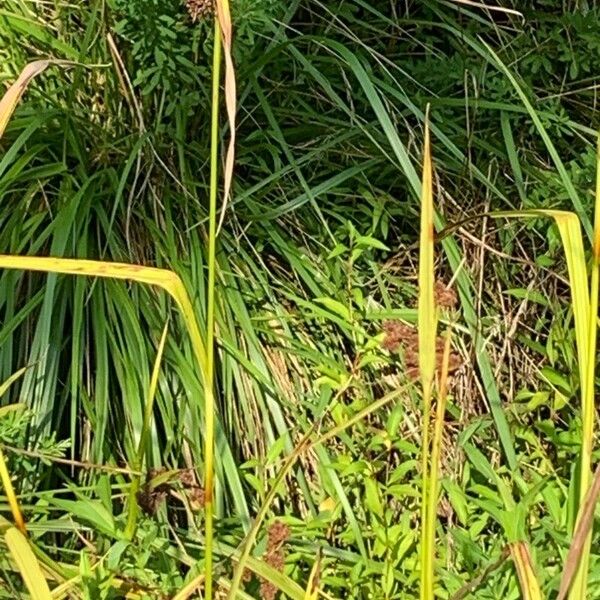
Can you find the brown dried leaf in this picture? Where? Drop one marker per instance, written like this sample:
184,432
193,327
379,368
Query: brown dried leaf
17,89
585,520
224,16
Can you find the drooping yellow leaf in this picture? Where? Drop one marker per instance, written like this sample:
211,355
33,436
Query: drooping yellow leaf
569,228
14,377
167,280
15,91
224,18
28,565
11,496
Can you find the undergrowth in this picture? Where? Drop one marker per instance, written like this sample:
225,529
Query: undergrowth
319,412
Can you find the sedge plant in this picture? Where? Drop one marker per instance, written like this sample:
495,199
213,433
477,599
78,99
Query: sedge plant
162,278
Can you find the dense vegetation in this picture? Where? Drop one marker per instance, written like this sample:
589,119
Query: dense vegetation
319,412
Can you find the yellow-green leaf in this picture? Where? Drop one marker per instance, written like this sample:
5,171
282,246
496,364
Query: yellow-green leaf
426,311
28,565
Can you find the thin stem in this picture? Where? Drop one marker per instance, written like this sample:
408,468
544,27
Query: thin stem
143,441
432,481
426,587
210,313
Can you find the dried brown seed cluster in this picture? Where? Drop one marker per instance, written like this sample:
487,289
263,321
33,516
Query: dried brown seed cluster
445,297
278,534
151,496
399,336
195,493
200,9
153,493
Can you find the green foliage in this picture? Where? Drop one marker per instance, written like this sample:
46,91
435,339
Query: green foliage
318,250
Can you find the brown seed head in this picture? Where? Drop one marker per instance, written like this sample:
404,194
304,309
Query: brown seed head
200,9
445,297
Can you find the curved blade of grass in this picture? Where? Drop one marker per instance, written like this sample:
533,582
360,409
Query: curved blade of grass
28,565
163,278
11,497
139,459
17,89
6,384
569,227
4,474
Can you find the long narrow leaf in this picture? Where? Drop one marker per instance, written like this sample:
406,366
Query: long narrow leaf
427,321
28,565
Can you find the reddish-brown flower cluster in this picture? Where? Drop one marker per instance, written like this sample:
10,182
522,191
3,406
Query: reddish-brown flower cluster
200,9
195,493
278,535
402,337
445,297
151,496
153,492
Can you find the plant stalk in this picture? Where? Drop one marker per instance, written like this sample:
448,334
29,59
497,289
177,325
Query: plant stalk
210,314
432,482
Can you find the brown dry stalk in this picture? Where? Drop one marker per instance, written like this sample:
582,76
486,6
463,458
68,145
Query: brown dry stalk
472,585
585,520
